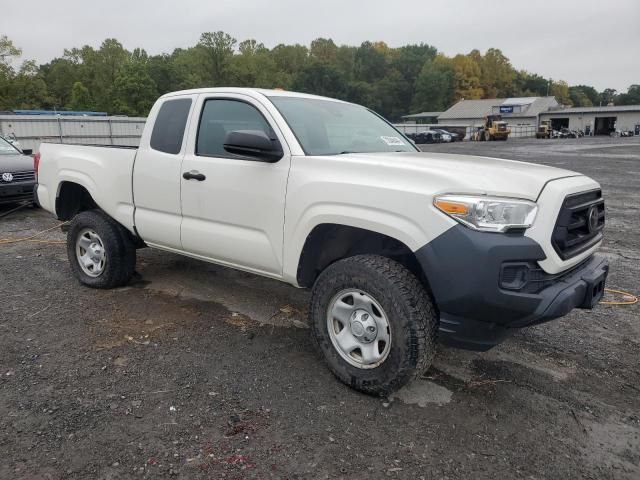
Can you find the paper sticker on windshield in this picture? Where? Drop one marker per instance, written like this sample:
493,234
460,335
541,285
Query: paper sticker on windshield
392,140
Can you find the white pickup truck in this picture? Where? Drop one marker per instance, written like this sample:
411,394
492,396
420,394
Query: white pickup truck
398,246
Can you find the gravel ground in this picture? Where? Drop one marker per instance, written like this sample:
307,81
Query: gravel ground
195,371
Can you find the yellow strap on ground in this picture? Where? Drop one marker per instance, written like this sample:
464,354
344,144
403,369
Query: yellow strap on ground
6,241
633,300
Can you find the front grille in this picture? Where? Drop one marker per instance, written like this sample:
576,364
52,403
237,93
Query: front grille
28,176
579,225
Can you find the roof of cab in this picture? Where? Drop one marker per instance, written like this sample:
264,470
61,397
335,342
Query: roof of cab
249,91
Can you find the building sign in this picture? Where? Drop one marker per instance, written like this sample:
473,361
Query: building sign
506,109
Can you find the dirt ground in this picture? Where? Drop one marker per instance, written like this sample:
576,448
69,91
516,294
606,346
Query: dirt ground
195,371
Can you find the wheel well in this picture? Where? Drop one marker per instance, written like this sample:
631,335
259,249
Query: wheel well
73,199
328,243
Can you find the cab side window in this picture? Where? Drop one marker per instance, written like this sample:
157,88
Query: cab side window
170,124
219,117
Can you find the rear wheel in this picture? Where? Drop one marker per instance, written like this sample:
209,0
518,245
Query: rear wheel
101,252
373,322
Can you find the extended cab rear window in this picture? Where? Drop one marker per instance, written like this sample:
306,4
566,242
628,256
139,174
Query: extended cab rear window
170,125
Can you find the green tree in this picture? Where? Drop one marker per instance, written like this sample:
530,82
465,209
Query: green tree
80,98
217,49
369,62
323,50
253,66
579,98
60,74
28,88
321,79
496,74
409,60
608,96
288,61
530,85
632,97
134,91
435,87
8,52
391,92
191,71
466,74
162,69
590,92
560,90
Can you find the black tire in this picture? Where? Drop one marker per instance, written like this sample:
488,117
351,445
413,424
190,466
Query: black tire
412,320
120,261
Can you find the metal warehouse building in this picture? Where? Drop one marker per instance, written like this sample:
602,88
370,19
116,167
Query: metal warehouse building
517,112
596,120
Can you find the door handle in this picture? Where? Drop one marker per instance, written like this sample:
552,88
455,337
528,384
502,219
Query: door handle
193,175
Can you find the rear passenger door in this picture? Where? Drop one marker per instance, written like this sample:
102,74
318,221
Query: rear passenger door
157,172
234,213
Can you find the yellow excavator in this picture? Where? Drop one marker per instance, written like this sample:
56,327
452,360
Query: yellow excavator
494,128
544,129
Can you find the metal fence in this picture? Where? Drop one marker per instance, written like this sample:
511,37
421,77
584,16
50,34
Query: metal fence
31,130
517,131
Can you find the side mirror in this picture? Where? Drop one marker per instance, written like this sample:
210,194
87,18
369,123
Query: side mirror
27,151
253,143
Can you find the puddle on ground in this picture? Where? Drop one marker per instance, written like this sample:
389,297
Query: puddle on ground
423,393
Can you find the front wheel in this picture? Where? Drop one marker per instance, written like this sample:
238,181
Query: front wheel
373,322
100,251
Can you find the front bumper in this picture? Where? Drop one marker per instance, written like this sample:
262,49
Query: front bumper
464,269
17,192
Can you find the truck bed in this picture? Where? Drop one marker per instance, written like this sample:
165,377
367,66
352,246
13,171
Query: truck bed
105,171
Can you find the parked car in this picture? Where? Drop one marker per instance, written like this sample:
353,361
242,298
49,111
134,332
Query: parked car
398,247
411,136
447,136
11,138
428,136
625,133
566,133
17,179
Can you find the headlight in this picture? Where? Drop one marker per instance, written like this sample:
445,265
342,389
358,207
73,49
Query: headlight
488,214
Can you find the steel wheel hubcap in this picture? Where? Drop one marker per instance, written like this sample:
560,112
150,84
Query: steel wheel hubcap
359,328
90,252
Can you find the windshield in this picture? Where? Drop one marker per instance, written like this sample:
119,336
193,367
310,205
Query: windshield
325,127
6,148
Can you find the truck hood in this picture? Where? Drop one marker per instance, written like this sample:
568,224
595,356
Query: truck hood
15,163
467,173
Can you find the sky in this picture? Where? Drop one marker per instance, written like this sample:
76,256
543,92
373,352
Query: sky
580,41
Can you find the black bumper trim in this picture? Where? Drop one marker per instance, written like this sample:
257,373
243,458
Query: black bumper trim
17,192
463,269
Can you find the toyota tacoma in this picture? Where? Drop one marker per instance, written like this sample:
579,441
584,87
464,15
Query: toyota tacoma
399,247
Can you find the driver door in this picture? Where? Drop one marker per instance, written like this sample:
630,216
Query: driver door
233,206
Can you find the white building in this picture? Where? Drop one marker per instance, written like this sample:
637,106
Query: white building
596,120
